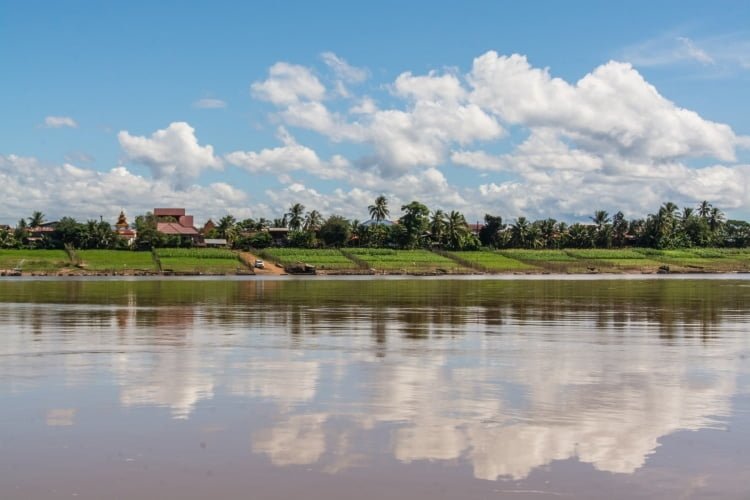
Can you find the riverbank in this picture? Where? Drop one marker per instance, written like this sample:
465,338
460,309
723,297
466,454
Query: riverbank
366,261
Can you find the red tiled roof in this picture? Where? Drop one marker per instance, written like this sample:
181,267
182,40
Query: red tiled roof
174,228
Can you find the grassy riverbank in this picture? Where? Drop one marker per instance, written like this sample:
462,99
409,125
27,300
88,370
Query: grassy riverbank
377,261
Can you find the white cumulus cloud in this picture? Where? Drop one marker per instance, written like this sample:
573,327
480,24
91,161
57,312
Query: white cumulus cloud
173,154
60,122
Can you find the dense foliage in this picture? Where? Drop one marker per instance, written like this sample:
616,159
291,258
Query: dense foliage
417,227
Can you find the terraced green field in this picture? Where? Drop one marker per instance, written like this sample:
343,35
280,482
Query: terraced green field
538,255
597,253
199,260
323,259
116,260
699,260
407,261
34,260
489,261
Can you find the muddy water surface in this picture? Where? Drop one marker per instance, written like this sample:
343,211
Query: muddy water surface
340,389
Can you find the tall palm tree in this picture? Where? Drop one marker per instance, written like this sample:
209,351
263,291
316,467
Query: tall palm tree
313,221
437,226
295,216
36,219
455,229
225,226
687,213
715,219
379,211
282,222
704,209
548,232
600,218
519,232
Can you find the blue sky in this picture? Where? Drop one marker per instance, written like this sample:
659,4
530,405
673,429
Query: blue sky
509,108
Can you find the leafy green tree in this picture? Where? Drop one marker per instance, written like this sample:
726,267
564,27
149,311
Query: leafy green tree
260,239
148,236
301,239
335,231
414,221
489,235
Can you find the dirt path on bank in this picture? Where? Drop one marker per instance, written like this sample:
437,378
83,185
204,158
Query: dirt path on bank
270,270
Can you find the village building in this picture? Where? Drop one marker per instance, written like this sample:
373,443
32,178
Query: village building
174,222
123,230
208,227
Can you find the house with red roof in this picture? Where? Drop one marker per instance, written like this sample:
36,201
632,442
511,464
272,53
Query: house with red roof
175,222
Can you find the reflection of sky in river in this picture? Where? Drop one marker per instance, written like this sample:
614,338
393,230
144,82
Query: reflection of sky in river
505,389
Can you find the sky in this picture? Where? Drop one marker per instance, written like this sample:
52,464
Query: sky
536,109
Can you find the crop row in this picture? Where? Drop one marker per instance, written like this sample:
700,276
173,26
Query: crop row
320,258
196,253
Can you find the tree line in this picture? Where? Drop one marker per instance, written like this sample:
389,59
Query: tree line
417,227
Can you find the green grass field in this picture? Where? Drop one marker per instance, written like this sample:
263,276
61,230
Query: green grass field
323,259
34,260
409,261
596,253
538,255
491,261
199,260
116,260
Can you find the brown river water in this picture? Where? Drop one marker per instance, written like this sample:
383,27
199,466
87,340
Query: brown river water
375,388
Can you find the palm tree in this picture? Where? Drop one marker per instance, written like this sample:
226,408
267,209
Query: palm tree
280,222
313,221
295,216
670,209
379,211
548,232
36,219
600,218
704,209
715,219
519,232
687,213
226,224
437,226
456,229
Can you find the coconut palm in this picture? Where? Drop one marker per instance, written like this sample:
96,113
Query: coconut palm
225,226
295,216
313,221
282,222
36,219
600,218
379,211
715,219
456,229
704,209
519,232
437,226
548,232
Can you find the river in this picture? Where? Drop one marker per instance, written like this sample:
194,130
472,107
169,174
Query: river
375,388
